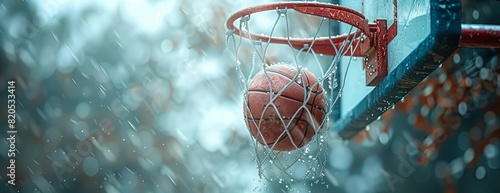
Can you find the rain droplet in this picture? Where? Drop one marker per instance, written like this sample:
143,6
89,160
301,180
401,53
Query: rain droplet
475,14
485,74
462,108
90,166
478,61
383,138
468,155
456,58
490,151
480,172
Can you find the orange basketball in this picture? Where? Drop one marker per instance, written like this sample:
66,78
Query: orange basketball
301,119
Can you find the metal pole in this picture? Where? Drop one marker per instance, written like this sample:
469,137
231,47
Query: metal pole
479,35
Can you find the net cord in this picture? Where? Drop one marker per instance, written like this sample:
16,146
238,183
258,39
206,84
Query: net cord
260,52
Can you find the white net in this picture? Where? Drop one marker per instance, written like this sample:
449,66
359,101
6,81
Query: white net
298,151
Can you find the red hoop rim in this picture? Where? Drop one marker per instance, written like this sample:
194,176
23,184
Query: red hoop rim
321,45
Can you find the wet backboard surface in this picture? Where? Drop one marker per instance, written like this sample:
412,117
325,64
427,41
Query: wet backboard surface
427,33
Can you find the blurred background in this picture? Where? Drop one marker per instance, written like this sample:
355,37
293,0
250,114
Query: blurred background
137,96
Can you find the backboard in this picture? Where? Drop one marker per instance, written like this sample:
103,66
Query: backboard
424,33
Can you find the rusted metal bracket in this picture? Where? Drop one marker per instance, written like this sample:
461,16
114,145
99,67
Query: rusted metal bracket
375,62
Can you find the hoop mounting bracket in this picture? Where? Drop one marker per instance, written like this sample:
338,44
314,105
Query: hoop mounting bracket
375,61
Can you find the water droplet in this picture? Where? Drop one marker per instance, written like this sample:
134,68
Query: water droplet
478,61
475,14
490,151
480,172
468,155
456,58
462,108
485,74
383,138
428,90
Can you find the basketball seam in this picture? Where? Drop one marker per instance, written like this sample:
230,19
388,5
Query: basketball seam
305,134
296,100
297,120
268,119
289,78
308,81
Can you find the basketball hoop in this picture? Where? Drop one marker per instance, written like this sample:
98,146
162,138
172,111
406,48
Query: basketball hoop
260,51
322,45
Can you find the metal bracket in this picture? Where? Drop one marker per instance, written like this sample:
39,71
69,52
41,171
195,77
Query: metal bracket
375,62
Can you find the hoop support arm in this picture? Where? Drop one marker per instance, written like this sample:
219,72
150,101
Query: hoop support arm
479,35
375,61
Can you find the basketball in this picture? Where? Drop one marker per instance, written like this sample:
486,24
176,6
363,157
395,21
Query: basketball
281,112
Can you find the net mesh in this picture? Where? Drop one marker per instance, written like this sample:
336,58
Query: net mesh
252,55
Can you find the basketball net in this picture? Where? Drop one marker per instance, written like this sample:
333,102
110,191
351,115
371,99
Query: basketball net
252,54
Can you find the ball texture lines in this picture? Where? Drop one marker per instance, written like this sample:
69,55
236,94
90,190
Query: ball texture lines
283,110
